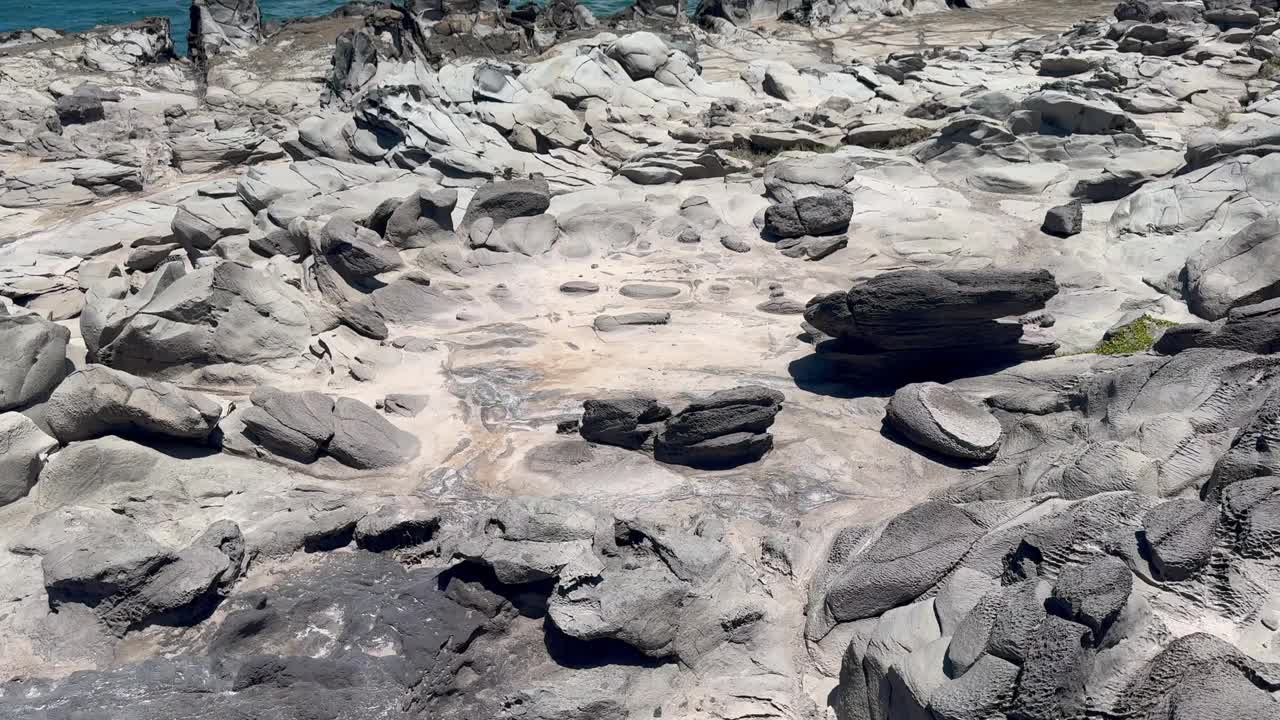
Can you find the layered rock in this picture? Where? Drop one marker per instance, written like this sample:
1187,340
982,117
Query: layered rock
937,321
725,429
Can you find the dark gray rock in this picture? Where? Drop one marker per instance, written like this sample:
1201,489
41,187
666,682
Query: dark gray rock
825,214
912,554
1059,662
580,287
404,404
626,421
357,253
1064,220
507,199
77,109
717,453
422,220
392,527
33,359
1093,594
1179,537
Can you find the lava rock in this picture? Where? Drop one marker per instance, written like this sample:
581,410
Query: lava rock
1064,220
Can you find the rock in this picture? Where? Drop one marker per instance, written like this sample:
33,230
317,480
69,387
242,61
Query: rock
130,580
912,553
504,200
1092,594
942,420
148,257
392,527
783,81
357,253
825,214
226,313
122,48
33,359
646,291
404,404
1052,682
94,567
98,401
1179,537
1252,328
1232,272
1255,136
422,220
724,430
364,440
1063,220
611,323
202,152
905,322
626,421
219,26
200,223
1063,113
23,448
79,109
980,693
580,287
293,425
641,54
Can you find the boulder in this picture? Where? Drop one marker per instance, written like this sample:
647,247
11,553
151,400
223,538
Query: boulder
365,440
623,421
1179,537
392,527
23,449
1063,220
33,359
98,400
356,252
200,223
913,552
979,694
938,316
1251,328
506,199
421,220
130,580
1234,271
944,421
78,109
723,430
1092,594
223,25
825,214
641,54
293,425
226,313
1062,113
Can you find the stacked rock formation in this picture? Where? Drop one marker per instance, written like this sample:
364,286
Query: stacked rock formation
723,430
937,322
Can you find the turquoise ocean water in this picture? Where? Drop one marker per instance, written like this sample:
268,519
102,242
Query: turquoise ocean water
84,14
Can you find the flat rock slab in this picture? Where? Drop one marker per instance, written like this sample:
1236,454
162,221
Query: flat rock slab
610,323
645,291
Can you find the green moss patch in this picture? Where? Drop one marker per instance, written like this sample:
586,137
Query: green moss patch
1137,336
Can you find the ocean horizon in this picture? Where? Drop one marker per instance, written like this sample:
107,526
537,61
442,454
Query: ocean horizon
77,15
